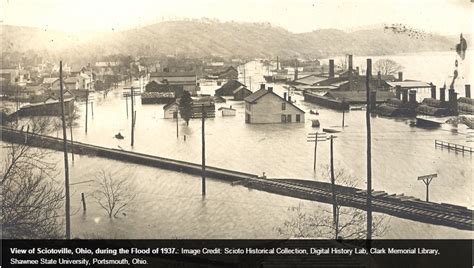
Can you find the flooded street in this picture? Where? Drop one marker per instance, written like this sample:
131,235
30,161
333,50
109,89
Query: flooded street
169,204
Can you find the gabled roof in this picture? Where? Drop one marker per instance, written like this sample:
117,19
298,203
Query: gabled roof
257,95
241,88
50,80
262,92
310,79
170,104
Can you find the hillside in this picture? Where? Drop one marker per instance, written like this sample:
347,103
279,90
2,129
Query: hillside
205,38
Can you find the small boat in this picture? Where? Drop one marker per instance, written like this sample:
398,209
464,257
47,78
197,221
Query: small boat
119,136
313,112
330,130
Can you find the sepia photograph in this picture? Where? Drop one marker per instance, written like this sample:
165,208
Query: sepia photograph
308,123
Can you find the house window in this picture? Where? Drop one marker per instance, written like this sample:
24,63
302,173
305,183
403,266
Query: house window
283,106
288,118
247,118
298,118
283,118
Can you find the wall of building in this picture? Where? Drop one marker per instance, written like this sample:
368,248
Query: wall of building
168,113
268,109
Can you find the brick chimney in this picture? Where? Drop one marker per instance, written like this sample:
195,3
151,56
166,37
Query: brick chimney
284,95
400,76
289,99
262,86
433,92
453,101
373,100
379,79
331,68
270,89
467,89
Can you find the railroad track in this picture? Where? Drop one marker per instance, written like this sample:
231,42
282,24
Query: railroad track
399,206
410,208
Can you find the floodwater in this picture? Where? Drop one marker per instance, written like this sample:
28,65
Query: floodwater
169,204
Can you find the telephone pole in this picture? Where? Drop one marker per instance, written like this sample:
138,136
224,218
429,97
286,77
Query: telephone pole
66,164
369,151
427,180
87,106
133,113
333,182
203,153
317,137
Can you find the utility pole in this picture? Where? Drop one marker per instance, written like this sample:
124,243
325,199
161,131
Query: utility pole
126,104
369,152
317,137
66,164
245,80
333,182
177,127
87,106
133,116
427,180
203,153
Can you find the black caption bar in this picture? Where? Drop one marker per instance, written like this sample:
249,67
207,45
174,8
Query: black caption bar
236,253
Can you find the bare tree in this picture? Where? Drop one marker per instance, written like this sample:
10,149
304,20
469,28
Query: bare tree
31,198
349,222
113,193
387,67
342,64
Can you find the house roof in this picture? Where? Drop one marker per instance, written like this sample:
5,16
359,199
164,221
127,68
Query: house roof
409,84
228,88
241,88
172,74
170,104
226,108
50,80
310,79
262,92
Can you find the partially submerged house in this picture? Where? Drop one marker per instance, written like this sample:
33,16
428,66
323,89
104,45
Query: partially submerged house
227,111
265,106
171,110
228,88
188,80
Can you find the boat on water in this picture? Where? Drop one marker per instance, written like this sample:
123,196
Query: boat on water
275,78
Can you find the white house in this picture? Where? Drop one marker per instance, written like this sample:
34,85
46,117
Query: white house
265,106
171,110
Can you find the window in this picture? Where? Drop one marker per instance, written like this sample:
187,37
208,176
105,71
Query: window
298,119
283,106
247,118
288,118
175,115
283,118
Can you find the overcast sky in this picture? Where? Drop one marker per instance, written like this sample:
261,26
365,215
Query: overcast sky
438,16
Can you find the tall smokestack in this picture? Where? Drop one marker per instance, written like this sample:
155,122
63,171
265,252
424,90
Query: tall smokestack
433,91
467,89
350,72
453,101
278,63
442,94
331,68
400,76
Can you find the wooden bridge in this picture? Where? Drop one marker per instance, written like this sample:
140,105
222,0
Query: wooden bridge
396,205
